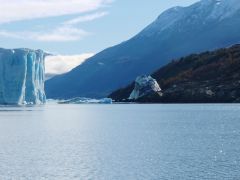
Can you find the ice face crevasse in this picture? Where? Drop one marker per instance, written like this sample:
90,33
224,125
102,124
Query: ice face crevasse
22,78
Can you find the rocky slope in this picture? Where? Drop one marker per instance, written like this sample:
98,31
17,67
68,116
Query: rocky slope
179,31
210,77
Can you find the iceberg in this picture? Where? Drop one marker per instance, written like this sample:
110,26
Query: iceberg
22,78
144,85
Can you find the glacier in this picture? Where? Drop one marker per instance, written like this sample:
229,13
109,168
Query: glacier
22,78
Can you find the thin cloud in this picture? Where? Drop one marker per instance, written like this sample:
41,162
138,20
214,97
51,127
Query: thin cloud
16,10
86,18
60,34
62,63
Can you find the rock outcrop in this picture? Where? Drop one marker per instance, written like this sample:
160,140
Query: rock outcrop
22,74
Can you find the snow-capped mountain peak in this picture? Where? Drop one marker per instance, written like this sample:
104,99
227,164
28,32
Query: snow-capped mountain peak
214,9
200,13
224,8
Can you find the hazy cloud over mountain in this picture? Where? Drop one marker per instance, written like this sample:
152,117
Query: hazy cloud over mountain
63,63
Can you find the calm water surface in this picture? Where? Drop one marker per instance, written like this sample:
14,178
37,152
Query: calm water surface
120,142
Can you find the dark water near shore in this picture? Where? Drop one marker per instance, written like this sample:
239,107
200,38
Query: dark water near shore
120,142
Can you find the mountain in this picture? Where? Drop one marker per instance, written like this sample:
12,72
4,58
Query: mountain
210,77
177,32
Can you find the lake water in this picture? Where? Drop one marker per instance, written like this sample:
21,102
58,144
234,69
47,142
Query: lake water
120,142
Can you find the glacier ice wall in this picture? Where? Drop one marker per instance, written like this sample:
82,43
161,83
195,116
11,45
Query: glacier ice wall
22,78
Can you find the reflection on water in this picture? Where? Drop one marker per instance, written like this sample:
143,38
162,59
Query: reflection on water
12,108
120,142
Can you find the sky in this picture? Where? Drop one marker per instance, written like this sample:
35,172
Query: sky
74,30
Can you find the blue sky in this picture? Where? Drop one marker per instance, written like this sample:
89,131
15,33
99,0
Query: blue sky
100,24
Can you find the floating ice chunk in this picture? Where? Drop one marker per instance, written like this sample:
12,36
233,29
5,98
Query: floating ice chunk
144,85
80,100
